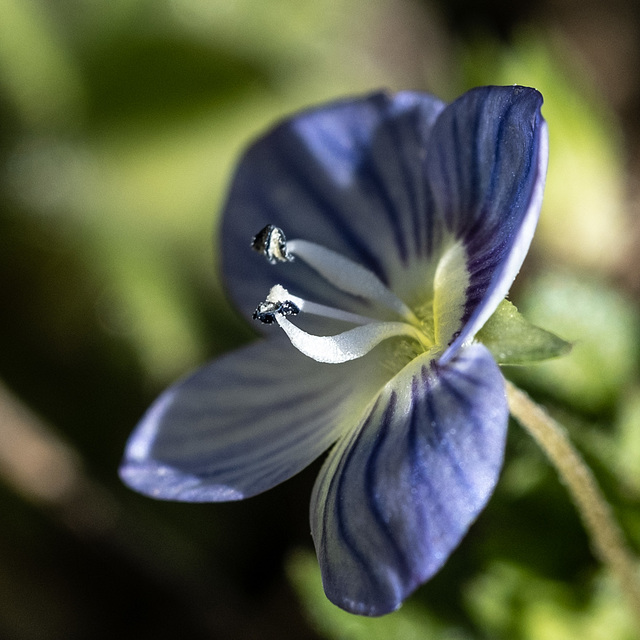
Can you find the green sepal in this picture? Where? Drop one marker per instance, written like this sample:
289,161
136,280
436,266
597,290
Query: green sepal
513,340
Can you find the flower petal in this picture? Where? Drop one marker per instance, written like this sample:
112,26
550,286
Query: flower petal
243,424
347,176
397,494
486,169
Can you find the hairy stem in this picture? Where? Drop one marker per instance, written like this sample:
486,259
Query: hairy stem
607,540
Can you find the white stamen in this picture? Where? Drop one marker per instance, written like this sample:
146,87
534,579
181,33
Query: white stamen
349,276
346,346
345,275
279,294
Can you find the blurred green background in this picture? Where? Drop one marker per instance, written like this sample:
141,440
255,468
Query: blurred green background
120,123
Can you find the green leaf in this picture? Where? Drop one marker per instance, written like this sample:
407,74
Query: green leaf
513,340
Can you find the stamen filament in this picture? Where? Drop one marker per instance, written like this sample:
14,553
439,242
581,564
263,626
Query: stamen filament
348,345
341,272
349,276
279,294
331,312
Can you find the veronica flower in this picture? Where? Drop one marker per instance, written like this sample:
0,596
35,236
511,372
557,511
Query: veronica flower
387,230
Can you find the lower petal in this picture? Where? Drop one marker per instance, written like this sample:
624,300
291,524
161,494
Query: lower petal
243,424
396,495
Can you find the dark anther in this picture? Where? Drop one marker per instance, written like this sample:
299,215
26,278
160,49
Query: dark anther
272,244
266,311
287,308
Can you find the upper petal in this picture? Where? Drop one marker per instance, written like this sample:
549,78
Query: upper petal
486,169
243,424
398,493
348,176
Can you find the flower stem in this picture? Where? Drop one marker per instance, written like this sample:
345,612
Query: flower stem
607,540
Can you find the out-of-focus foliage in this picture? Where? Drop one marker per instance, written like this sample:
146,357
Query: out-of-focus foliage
513,602
584,196
120,124
133,115
506,601
603,324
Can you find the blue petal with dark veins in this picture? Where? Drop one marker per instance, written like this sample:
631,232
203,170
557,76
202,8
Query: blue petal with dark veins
244,423
396,495
389,181
486,167
348,176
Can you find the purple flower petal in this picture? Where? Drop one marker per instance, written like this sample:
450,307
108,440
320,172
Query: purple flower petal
439,204
390,181
486,169
396,496
347,176
244,423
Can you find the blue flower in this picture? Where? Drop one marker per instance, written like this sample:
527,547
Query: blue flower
407,220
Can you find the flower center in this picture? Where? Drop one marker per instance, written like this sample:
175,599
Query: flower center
348,276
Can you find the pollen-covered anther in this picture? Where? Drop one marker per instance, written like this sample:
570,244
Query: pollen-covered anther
272,244
279,302
266,311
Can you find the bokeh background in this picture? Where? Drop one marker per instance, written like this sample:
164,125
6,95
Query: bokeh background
120,123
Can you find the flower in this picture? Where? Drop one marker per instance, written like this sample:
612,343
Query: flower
410,219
